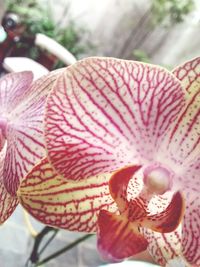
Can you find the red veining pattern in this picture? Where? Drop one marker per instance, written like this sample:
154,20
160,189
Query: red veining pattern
169,219
101,109
118,185
72,206
7,202
191,224
185,137
163,247
122,238
23,106
14,88
189,74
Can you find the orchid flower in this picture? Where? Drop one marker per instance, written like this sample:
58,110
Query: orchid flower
21,132
123,158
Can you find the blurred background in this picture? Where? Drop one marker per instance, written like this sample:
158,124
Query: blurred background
165,32
159,31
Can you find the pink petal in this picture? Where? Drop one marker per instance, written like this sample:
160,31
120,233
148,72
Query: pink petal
7,202
169,219
106,113
55,202
2,139
14,88
118,185
189,75
118,238
25,133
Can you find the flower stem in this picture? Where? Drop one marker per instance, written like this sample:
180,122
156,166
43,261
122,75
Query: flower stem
64,249
35,254
29,225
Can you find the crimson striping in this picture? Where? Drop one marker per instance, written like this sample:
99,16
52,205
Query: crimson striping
98,83
115,91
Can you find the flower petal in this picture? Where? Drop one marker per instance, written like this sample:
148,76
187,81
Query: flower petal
53,201
169,219
7,202
118,185
118,238
105,113
191,228
183,143
25,133
2,139
184,139
14,88
189,75
163,247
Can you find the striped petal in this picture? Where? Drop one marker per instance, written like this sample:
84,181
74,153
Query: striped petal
184,141
187,137
55,202
169,219
7,202
189,75
118,186
105,113
163,247
191,229
14,88
118,238
191,223
2,139
25,133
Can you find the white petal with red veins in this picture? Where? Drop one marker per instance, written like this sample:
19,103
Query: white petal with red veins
163,247
7,202
189,75
184,140
106,113
191,222
14,88
25,132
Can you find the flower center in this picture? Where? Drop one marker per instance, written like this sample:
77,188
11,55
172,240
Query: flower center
157,179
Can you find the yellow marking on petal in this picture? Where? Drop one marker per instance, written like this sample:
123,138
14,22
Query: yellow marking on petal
69,205
189,75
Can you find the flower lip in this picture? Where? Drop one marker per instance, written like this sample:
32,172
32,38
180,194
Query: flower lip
157,178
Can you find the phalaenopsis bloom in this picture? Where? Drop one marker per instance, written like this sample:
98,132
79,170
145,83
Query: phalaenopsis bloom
22,105
123,158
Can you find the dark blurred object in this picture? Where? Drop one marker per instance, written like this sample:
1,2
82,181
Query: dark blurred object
11,32
38,18
19,42
10,21
15,43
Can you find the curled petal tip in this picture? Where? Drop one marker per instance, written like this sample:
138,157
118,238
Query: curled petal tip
118,185
169,219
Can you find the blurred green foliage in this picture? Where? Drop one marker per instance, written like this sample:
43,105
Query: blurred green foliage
171,12
166,13
39,19
141,55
